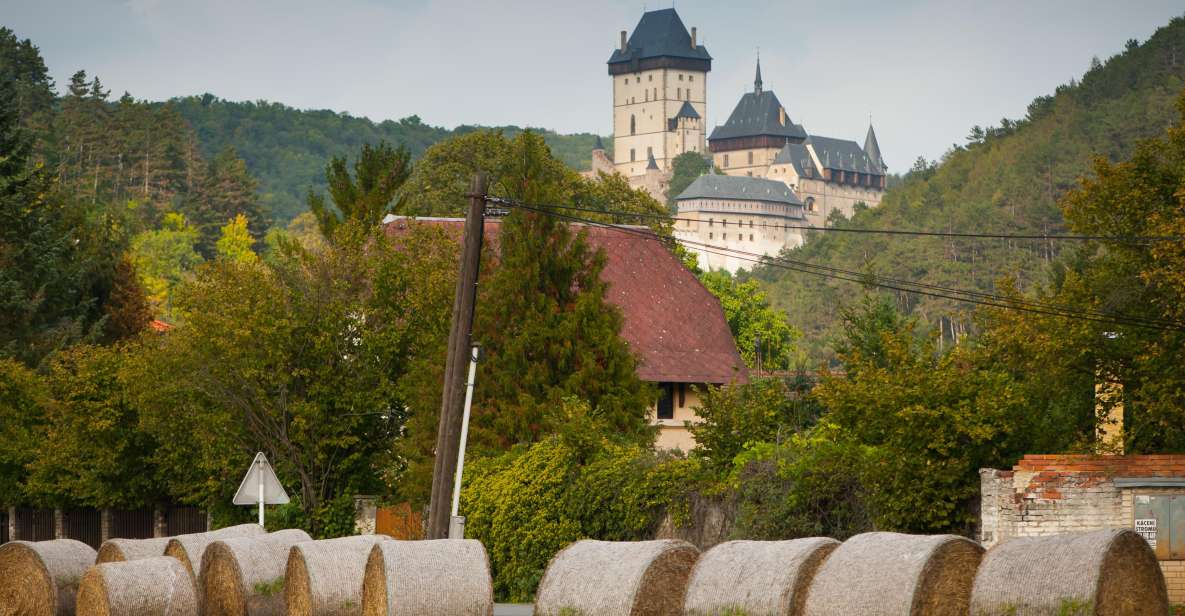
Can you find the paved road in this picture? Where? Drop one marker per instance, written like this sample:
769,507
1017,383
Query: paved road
513,609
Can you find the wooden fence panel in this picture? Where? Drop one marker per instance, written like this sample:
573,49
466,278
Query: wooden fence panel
34,524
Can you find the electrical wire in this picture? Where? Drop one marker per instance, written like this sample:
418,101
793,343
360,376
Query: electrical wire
1129,239
970,297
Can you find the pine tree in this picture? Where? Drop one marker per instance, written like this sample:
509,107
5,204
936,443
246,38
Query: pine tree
546,330
227,191
379,173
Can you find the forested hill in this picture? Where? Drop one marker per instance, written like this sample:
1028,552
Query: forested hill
287,148
1006,178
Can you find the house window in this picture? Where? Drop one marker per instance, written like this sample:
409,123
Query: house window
682,394
810,204
726,160
666,406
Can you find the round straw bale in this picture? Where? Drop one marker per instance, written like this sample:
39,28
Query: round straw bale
144,587
119,550
890,574
1110,572
189,548
617,578
441,577
324,578
756,578
244,576
41,578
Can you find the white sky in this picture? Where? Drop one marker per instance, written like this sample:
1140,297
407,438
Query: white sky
926,70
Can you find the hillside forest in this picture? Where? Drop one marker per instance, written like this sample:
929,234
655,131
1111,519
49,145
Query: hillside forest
176,297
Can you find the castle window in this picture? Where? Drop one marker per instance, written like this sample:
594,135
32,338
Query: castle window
726,160
678,92
724,236
750,237
688,94
632,154
691,78
680,76
711,235
649,151
656,94
711,222
633,127
650,78
810,204
750,159
627,81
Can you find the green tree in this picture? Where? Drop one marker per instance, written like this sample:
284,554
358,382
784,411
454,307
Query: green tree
56,265
684,170
94,453
546,331
929,420
235,242
127,311
299,357
228,190
736,416
23,399
163,258
757,327
22,61
366,197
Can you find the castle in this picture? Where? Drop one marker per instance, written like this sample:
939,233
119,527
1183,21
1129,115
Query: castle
660,109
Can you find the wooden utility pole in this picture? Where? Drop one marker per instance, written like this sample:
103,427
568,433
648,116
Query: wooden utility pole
448,433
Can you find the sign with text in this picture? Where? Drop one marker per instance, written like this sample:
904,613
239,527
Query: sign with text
1146,527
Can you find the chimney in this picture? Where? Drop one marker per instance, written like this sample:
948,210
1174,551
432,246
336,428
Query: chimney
623,41
693,45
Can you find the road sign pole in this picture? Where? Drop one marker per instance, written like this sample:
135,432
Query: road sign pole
261,495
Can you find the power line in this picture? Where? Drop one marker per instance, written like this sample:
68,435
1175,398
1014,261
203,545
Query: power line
970,297
898,232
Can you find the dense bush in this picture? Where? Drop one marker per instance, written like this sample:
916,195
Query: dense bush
530,503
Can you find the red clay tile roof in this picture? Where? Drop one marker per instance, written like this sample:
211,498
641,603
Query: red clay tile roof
673,324
158,325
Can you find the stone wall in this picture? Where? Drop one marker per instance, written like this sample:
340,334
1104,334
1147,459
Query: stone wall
1054,494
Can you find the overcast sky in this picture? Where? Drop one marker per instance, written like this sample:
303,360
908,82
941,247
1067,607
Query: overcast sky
926,70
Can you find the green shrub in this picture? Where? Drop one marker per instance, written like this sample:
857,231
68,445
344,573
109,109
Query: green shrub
528,504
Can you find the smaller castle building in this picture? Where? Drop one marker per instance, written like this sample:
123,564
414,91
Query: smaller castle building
730,222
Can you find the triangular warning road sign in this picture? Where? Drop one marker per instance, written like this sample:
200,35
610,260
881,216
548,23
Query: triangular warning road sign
273,492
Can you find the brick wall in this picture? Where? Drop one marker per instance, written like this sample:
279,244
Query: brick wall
1053,494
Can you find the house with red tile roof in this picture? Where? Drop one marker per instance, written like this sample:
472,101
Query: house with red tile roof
672,323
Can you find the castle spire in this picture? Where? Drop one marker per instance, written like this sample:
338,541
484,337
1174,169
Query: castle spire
757,81
873,149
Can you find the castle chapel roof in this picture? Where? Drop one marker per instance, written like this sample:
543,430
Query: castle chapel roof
660,34
759,113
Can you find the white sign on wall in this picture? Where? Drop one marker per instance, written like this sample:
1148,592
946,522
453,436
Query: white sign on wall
1146,527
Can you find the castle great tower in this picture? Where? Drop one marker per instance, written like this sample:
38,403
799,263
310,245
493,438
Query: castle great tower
660,86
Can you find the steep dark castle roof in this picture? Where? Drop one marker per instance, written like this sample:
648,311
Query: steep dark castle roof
759,113
659,40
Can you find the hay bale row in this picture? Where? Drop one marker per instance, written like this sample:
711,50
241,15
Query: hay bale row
756,578
157,586
617,578
243,576
41,578
121,550
189,549
1109,572
324,578
443,577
